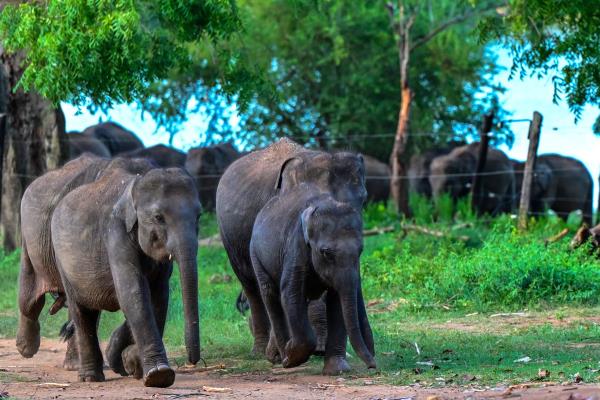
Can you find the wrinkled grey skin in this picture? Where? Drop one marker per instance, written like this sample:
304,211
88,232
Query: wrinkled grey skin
80,143
38,272
206,165
251,181
562,184
377,179
161,155
303,244
419,167
585,234
453,174
114,240
116,138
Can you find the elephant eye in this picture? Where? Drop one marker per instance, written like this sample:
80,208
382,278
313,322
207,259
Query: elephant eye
327,253
159,218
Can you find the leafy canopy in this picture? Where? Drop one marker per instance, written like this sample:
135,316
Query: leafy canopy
560,38
334,67
100,52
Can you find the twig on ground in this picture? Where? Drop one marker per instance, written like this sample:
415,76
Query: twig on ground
433,232
378,231
557,237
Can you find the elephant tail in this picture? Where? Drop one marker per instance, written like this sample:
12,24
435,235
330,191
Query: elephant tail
67,330
241,303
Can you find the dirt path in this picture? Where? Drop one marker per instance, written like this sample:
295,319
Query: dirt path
42,377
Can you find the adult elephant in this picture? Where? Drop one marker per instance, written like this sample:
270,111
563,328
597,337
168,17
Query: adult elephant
454,172
206,165
251,181
80,143
377,179
114,242
419,168
116,138
562,184
163,156
38,271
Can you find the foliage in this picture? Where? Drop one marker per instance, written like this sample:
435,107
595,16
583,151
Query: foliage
555,38
97,53
334,67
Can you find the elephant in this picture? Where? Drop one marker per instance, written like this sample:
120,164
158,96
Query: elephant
584,234
116,138
251,181
453,173
114,242
38,272
419,168
377,179
80,143
161,155
206,165
562,184
305,243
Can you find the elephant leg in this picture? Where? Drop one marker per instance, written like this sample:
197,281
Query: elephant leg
71,361
317,314
279,335
120,339
260,320
31,304
86,330
140,316
335,350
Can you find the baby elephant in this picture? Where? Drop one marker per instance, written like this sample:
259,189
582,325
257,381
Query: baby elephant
303,244
114,241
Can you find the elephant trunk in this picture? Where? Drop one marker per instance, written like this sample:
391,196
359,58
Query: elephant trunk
357,325
188,273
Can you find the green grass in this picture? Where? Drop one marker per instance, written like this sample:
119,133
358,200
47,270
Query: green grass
420,282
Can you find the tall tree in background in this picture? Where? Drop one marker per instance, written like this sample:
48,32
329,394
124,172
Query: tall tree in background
95,54
415,24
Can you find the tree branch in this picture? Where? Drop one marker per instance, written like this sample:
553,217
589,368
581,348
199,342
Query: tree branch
448,23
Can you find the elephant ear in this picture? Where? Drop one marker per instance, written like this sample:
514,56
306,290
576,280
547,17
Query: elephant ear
304,220
129,206
287,172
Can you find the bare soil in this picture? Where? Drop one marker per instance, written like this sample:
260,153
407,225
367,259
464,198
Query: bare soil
42,377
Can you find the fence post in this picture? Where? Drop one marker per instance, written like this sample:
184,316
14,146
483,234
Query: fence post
535,126
484,141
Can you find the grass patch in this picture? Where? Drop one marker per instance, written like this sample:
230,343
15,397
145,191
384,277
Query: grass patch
415,285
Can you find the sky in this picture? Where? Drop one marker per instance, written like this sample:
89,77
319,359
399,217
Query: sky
560,134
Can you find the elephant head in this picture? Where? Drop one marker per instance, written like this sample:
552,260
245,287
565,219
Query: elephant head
333,232
163,204
453,174
341,174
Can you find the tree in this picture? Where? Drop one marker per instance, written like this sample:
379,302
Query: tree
415,24
95,54
560,39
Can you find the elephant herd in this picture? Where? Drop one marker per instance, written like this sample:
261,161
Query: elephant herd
101,234
204,164
562,184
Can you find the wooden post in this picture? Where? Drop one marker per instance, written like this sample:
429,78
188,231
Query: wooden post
486,128
534,140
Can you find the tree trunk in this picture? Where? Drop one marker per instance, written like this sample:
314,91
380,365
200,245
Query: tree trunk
399,186
34,143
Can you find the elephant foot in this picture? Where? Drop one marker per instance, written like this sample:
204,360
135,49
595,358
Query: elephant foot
272,351
160,376
115,359
260,347
335,365
91,376
297,352
131,363
71,362
28,337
